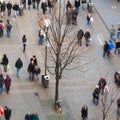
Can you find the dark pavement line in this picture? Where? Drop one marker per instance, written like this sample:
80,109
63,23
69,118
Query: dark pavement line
101,18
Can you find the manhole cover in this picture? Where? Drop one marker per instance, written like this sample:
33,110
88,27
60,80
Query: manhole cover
114,7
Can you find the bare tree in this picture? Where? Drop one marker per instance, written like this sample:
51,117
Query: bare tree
106,106
64,49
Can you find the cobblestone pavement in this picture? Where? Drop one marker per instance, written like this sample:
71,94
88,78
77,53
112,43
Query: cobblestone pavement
75,87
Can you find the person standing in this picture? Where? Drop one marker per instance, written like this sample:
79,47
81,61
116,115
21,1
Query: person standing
3,8
35,116
84,112
112,33
88,20
46,25
87,36
24,39
77,5
16,9
118,31
8,28
30,69
5,62
79,36
7,113
106,49
36,73
43,6
1,82
29,3
37,2
83,4
7,83
18,65
9,7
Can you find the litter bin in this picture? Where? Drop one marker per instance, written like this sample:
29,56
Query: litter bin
90,7
45,80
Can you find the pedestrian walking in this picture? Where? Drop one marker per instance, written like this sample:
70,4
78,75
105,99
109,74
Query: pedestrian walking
106,51
9,7
50,5
80,35
88,20
18,65
7,83
37,2
34,59
1,112
77,5
3,8
83,2
112,33
74,16
41,36
35,116
29,4
23,2
43,6
1,28
118,31
24,40
28,116
91,19
30,69
96,94
16,9
1,82
8,28
46,25
84,112
5,62
102,83
68,5
111,46
118,105
36,73
7,113
87,37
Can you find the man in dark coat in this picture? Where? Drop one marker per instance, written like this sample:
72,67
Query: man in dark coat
79,36
3,8
43,6
9,7
1,82
84,112
29,3
106,49
77,4
16,9
87,36
7,113
4,62
19,65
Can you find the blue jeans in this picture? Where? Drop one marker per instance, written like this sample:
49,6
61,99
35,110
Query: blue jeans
18,72
83,6
1,89
118,34
88,22
41,37
8,33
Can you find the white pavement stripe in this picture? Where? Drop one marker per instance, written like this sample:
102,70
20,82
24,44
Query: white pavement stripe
100,39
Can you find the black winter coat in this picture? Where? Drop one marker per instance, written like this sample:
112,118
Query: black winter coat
5,61
77,3
9,6
19,63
